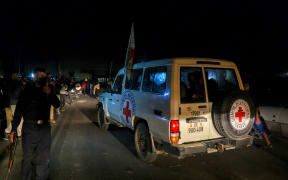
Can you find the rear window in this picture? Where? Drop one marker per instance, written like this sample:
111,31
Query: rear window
191,85
155,80
220,82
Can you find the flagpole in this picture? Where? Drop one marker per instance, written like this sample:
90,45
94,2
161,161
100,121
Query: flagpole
129,56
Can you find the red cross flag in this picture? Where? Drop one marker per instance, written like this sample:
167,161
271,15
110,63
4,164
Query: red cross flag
130,54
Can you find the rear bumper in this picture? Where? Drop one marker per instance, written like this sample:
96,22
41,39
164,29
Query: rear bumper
216,145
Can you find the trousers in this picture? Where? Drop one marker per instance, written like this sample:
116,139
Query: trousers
36,144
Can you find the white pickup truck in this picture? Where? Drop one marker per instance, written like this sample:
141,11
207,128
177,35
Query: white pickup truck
180,106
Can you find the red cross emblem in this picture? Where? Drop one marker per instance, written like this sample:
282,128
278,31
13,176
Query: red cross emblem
240,114
127,112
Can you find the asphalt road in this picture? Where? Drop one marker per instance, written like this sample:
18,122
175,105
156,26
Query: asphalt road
80,150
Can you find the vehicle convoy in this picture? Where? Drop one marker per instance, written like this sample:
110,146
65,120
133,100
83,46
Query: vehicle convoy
180,106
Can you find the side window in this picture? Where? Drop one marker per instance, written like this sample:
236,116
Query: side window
159,83
117,87
155,80
135,81
148,80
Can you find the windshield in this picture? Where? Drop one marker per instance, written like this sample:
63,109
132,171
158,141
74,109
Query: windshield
220,82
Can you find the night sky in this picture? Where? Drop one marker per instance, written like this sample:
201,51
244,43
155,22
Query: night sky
251,33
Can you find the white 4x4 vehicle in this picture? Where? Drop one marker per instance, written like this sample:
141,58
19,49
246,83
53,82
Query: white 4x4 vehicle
180,106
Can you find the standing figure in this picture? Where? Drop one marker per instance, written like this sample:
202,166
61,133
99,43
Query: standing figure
14,91
34,106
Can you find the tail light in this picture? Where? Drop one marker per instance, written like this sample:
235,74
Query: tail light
174,131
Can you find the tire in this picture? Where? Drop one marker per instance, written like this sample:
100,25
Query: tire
143,143
102,120
226,120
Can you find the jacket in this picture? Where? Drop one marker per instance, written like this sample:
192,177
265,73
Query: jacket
34,105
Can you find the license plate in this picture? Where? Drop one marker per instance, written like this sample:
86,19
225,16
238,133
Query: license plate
195,130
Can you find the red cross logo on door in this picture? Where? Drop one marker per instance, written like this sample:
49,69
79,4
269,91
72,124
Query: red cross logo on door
127,112
240,114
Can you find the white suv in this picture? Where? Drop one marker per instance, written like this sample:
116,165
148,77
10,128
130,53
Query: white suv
180,106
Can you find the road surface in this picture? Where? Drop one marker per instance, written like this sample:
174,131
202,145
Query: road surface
80,150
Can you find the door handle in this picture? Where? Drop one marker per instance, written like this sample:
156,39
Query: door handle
202,107
110,99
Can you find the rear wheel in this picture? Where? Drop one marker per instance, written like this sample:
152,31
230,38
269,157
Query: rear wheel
102,120
143,143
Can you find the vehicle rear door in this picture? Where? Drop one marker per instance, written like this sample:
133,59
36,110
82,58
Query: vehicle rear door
193,107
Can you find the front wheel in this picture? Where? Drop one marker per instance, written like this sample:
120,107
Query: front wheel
102,120
143,143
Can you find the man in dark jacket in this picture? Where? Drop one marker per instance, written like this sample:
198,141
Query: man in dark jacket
34,106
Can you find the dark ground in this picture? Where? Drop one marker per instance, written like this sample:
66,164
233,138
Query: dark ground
80,150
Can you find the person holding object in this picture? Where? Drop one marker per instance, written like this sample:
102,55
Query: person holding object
34,106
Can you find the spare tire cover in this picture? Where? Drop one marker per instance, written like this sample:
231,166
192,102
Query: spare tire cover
233,115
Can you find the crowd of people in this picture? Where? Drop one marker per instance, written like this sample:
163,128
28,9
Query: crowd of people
64,88
29,105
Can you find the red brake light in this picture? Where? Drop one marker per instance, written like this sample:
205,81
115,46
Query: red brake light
174,126
174,131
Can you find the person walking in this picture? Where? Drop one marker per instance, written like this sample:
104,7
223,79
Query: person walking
83,86
52,87
14,91
63,93
57,91
4,103
34,106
